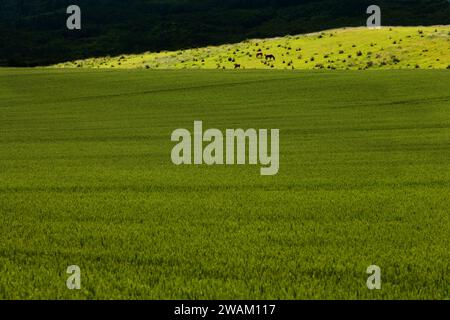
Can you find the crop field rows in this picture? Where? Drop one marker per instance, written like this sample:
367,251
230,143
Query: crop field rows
86,179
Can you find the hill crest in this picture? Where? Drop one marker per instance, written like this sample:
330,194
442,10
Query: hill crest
344,48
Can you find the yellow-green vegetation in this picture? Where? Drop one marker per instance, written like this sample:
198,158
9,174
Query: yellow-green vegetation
348,48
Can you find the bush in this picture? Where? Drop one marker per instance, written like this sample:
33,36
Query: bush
395,59
319,66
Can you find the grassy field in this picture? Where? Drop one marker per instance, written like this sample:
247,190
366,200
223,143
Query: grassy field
86,179
348,48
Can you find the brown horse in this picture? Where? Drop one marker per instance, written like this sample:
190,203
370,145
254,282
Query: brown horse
270,57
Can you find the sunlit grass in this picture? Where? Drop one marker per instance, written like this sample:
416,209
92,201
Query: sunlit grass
350,48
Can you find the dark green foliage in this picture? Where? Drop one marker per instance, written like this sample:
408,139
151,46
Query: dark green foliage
33,32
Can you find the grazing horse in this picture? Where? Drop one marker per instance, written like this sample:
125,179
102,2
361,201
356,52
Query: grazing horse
270,57
237,66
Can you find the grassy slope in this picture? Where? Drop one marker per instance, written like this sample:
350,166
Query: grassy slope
387,48
86,178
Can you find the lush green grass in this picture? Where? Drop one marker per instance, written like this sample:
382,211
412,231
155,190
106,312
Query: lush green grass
86,178
348,48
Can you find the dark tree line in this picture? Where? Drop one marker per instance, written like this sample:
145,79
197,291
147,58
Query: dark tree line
33,32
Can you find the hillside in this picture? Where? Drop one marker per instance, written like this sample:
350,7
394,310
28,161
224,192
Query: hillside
347,48
34,33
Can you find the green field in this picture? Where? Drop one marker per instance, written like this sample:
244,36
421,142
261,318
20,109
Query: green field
342,49
86,179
